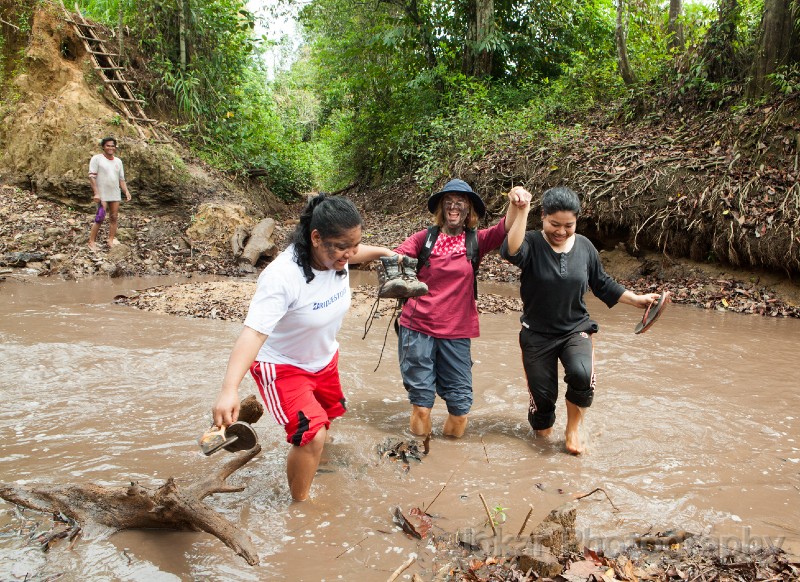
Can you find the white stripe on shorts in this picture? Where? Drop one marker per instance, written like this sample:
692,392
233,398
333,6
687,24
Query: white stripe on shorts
269,394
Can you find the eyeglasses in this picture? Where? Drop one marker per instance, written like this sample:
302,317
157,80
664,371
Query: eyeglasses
454,205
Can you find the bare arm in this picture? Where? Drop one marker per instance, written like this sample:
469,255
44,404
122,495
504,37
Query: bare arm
640,301
518,197
367,253
93,184
516,233
124,187
245,350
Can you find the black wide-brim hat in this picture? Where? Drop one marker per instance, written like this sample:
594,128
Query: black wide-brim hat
458,187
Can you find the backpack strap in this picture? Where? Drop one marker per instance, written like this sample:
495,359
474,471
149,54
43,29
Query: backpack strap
473,254
427,247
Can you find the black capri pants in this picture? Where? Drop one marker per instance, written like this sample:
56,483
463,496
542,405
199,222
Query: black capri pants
540,357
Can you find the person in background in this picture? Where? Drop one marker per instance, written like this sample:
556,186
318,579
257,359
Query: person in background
558,267
107,178
288,341
435,330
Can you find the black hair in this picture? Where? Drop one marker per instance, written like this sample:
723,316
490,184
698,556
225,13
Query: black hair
331,216
105,140
560,199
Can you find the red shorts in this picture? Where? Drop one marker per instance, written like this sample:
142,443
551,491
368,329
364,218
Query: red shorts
303,402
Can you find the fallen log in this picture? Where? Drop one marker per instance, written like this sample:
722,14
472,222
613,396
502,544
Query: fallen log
134,507
260,242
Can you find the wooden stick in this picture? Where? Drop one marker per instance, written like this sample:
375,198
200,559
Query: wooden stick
440,490
524,523
350,548
595,491
8,23
402,569
488,514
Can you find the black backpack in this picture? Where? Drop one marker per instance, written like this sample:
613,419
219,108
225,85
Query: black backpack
473,256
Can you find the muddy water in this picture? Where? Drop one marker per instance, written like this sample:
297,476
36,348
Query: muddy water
696,425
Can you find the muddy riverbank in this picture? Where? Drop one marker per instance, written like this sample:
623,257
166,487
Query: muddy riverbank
40,237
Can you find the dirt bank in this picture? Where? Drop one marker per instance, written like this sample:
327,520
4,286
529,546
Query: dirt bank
41,237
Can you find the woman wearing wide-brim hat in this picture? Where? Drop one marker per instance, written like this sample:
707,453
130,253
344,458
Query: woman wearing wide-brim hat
436,329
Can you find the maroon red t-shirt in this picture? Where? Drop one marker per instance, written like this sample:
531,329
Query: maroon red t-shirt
449,310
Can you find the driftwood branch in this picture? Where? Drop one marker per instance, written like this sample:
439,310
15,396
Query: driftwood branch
170,506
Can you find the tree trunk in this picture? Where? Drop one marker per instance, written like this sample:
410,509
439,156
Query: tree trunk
778,45
622,49
134,507
674,26
478,56
182,31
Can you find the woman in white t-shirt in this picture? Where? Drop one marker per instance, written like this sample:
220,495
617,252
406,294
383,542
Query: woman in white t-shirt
289,337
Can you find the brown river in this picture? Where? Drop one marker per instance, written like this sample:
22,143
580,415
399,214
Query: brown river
695,426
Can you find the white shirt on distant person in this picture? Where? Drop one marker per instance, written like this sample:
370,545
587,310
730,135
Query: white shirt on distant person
107,173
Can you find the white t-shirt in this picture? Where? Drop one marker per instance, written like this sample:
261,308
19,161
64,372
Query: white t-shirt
107,173
301,319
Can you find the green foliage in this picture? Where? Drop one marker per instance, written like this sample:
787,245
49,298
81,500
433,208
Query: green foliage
222,101
499,514
386,90
394,99
18,13
786,79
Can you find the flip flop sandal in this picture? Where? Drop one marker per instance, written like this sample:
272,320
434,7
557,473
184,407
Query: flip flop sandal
101,214
652,313
246,437
214,439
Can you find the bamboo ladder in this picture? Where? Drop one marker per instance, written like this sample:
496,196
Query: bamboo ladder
112,75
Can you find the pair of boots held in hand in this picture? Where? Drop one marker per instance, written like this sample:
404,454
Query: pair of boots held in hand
398,278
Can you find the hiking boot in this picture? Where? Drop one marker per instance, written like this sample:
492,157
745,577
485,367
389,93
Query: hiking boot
398,280
415,287
389,279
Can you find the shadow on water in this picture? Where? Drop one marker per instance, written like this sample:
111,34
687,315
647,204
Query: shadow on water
694,426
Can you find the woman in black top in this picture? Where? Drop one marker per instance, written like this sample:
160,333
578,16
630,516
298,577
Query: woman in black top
558,266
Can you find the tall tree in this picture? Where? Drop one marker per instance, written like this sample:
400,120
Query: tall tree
674,26
478,50
623,63
182,32
779,42
423,27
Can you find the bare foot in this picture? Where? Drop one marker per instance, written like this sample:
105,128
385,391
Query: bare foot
543,433
93,247
574,423
574,446
113,242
